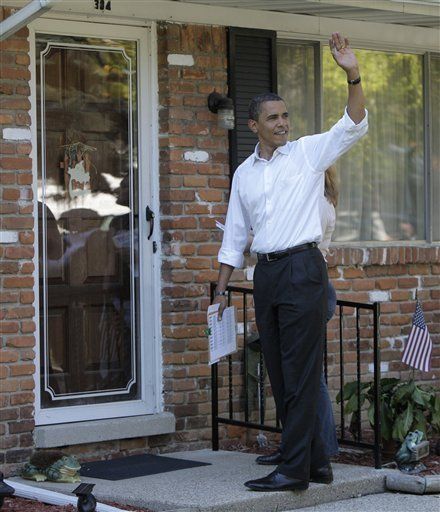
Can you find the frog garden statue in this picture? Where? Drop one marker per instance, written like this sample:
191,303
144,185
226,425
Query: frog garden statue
54,466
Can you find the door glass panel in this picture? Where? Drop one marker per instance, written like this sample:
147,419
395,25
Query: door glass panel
88,220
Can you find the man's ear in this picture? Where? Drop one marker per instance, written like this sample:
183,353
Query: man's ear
253,125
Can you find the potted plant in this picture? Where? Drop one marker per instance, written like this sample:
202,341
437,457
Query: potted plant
405,406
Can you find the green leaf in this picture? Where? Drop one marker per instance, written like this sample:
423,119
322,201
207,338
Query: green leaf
352,404
370,414
386,421
436,407
397,431
403,390
435,414
419,421
338,398
354,420
435,422
388,384
350,390
403,423
386,387
408,417
427,396
418,397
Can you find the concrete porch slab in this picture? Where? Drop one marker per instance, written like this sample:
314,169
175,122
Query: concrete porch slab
219,487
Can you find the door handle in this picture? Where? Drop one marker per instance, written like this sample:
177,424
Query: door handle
149,215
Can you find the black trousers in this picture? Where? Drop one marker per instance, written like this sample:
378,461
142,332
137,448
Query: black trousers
290,296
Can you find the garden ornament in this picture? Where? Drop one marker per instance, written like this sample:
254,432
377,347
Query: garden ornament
411,451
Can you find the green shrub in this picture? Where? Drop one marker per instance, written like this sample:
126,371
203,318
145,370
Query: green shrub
405,406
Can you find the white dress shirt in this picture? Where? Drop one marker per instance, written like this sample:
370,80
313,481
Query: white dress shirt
280,197
328,224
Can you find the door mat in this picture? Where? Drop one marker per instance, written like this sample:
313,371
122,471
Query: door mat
134,466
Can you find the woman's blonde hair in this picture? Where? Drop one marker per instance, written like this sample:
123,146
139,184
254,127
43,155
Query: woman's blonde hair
331,189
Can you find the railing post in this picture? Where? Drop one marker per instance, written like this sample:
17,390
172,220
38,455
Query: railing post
341,368
358,376
214,406
377,400
230,373
214,395
245,361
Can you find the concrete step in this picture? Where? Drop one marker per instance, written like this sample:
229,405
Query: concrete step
385,502
219,487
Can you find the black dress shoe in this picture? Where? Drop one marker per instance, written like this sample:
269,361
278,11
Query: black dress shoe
277,482
273,459
323,475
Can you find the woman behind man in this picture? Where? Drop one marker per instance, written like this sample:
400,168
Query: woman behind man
327,206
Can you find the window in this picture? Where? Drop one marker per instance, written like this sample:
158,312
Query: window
297,85
382,177
435,144
383,188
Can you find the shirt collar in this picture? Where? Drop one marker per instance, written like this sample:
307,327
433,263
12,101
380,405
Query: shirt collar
284,150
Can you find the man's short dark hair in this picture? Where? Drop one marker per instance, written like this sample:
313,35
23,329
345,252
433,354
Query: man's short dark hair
256,101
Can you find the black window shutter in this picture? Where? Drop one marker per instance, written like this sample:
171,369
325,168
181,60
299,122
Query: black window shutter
252,70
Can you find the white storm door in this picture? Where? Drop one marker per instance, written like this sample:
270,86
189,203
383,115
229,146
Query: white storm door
97,354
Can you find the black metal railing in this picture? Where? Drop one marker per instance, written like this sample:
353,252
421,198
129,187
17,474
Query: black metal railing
343,306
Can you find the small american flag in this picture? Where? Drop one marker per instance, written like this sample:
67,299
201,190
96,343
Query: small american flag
418,348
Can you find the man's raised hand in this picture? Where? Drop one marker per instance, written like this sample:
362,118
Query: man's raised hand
342,53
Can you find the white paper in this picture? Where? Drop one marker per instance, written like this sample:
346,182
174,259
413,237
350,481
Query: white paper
223,334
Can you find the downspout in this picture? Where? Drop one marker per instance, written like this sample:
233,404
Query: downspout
51,497
23,17
413,484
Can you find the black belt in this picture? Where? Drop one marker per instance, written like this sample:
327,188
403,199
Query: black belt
272,256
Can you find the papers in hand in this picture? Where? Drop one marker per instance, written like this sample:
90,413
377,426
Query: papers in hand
222,334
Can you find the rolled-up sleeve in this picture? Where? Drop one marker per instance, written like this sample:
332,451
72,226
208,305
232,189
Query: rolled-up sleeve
237,228
322,150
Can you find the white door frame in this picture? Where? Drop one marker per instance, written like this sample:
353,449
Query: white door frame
149,262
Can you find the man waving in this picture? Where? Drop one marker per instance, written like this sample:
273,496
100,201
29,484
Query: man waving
276,190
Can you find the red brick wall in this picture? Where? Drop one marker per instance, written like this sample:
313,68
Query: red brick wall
393,276
193,196
16,266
